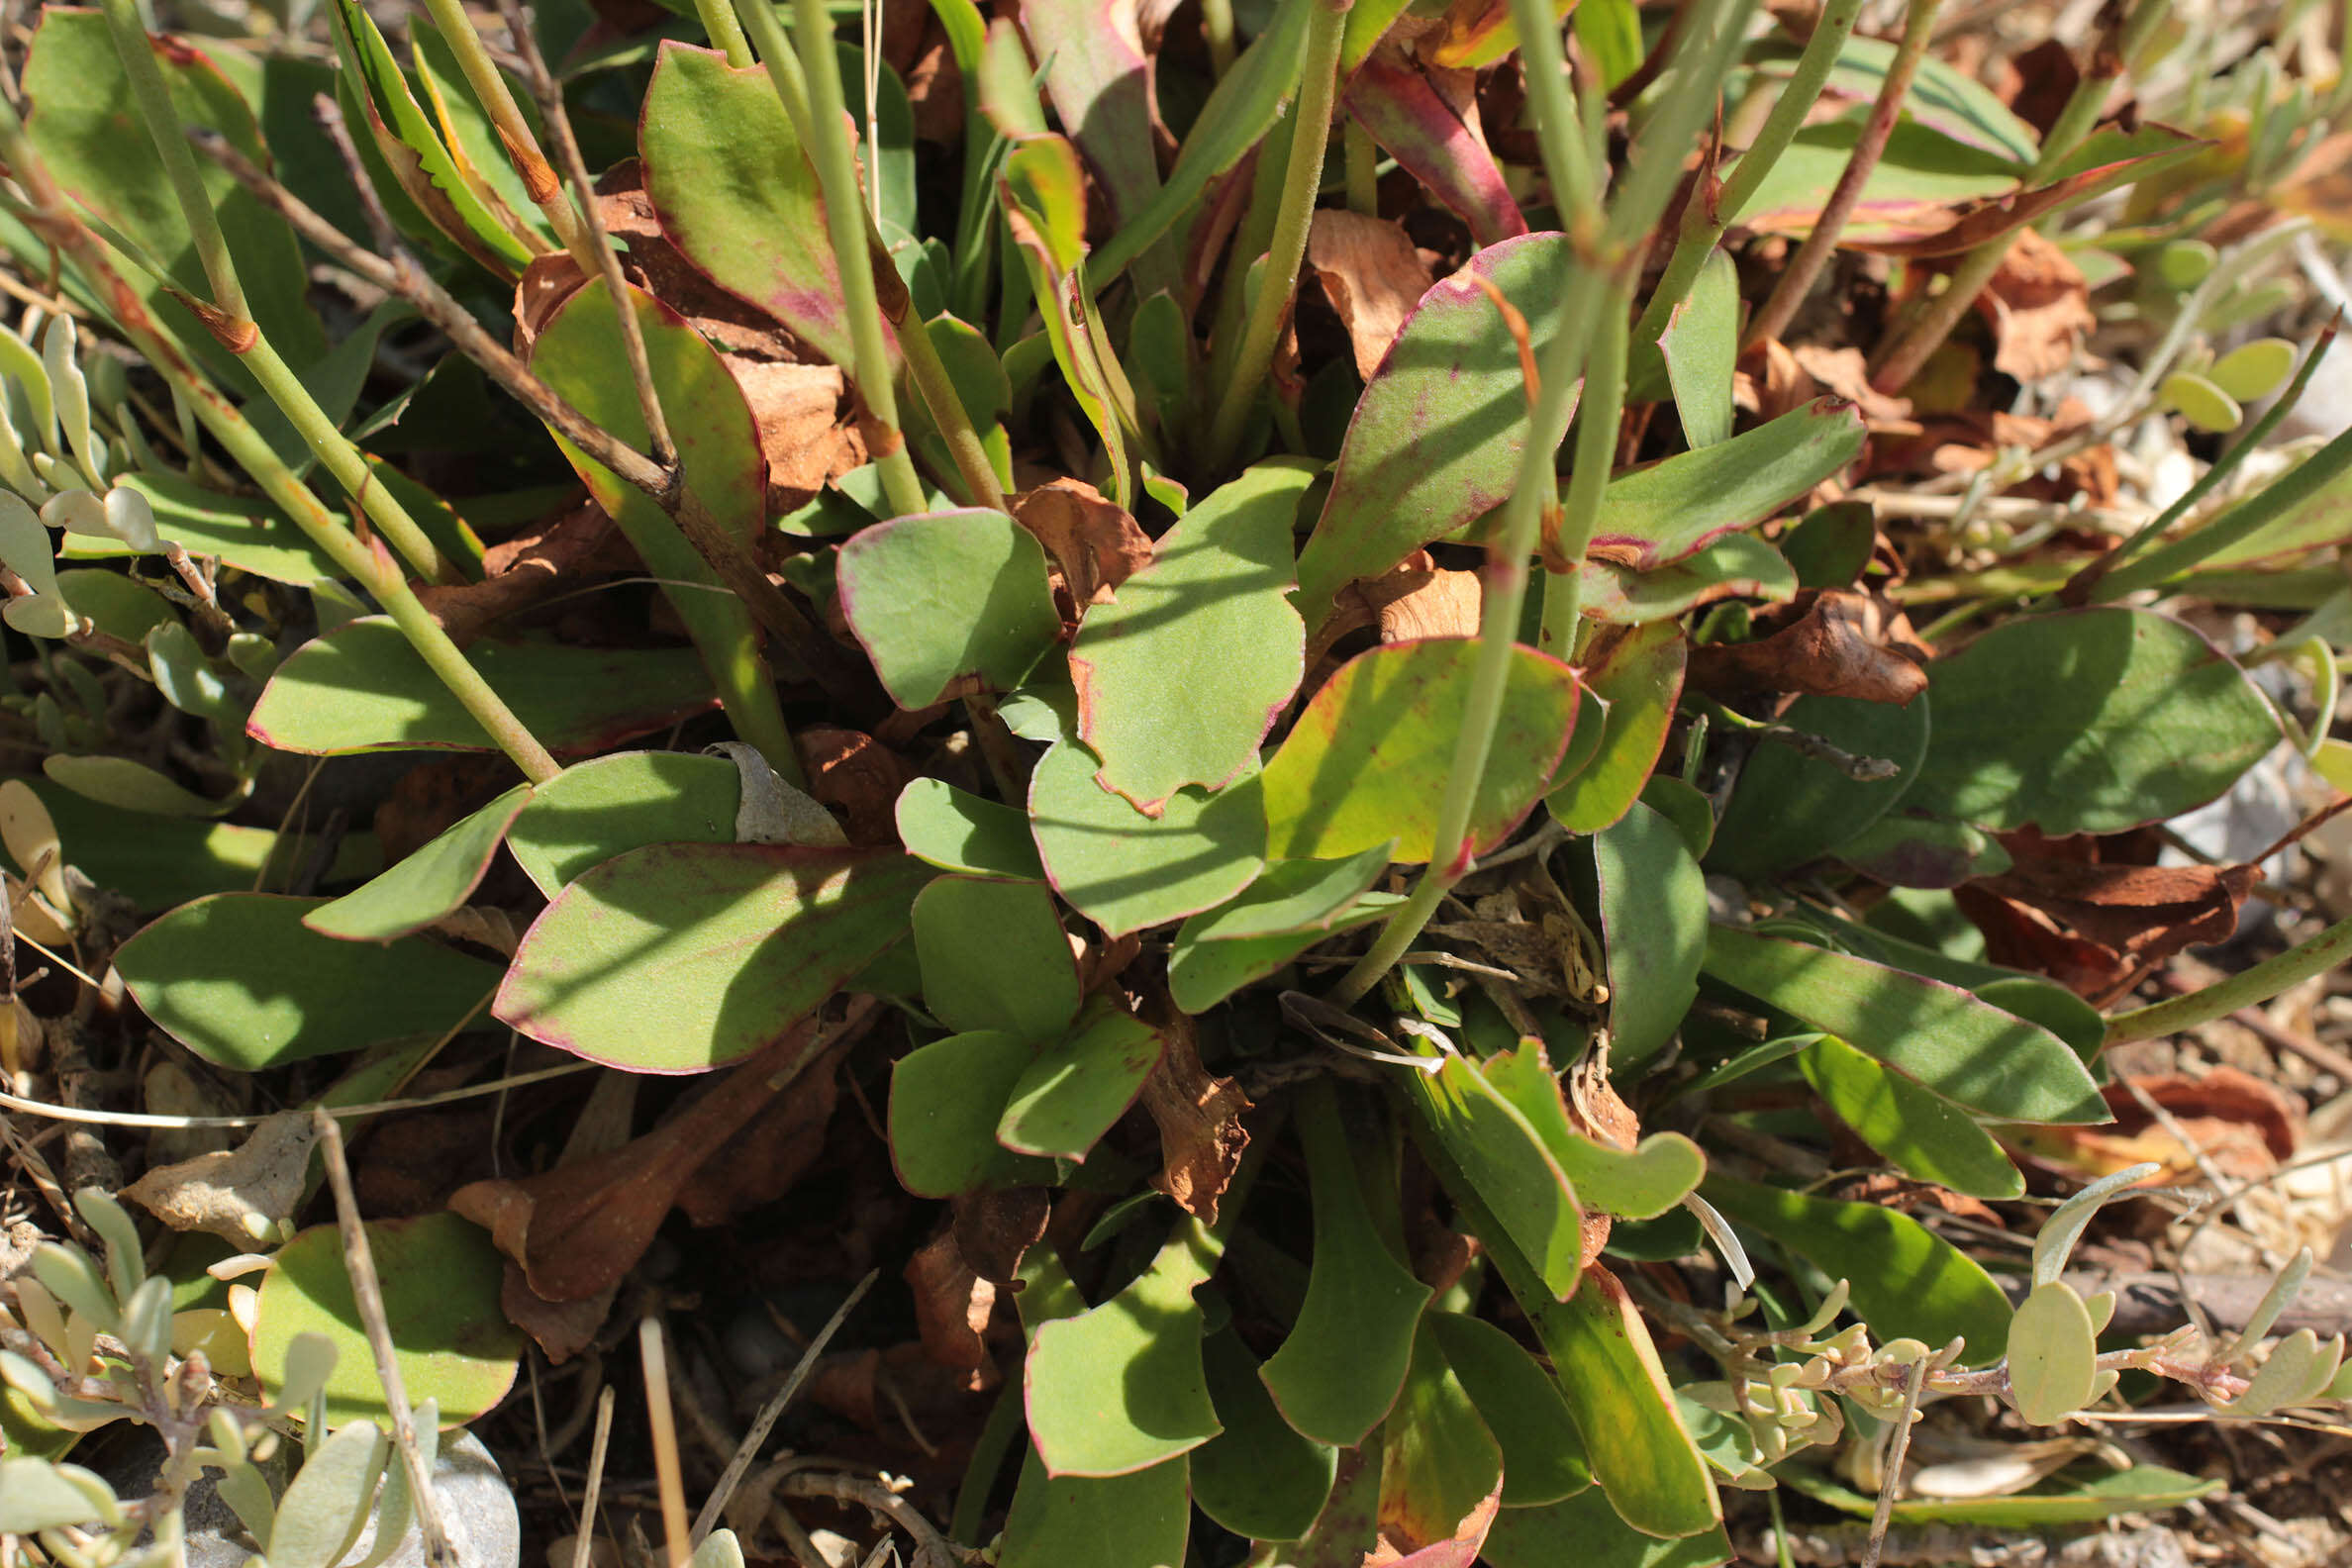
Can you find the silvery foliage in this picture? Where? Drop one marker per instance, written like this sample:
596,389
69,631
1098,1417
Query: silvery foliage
87,1345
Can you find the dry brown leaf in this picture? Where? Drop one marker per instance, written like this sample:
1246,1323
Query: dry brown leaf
1371,273
1890,1191
1827,642
1447,605
762,1161
2039,307
802,414
1093,541
953,1304
993,1229
1199,1121
241,1193
1358,605
856,773
731,324
1845,371
521,571
2224,1119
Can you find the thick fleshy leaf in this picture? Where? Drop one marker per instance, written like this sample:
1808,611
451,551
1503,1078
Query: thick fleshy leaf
130,785
1067,1099
1368,759
88,131
1203,973
1700,345
1125,870
1637,679
1791,808
947,594
1492,1144
2089,721
1438,1462
241,982
1119,1386
1653,915
734,191
1640,1183
1607,1369
682,957
440,1280
159,861
945,1100
1907,1281
1098,78
995,956
1942,98
609,805
1138,1521
1587,1531
1436,439
1925,1136
1734,567
1339,1370
1293,896
2053,1355
1544,1456
429,883
1912,849
1920,179
1668,513
957,830
2140,1490
1402,110
245,533
1257,1477
362,688
1965,1050
1180,677
1043,190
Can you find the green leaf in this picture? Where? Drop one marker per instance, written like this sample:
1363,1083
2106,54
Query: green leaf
1120,1388
1914,851
1920,178
1136,1520
680,957
1510,1164
161,861
579,352
2089,721
249,535
947,594
1967,1051
1909,1283
1257,1477
736,195
995,956
440,1279
1067,1099
1669,511
1203,973
1699,346
1339,1370
1653,913
36,1494
1438,1462
88,130
1125,870
1293,896
1585,1531
1942,98
1607,1369
1181,675
429,884
119,605
329,1498
1369,757
2053,1355
1925,1137
2253,371
1544,1456
1437,436
596,810
957,830
1636,676
1734,567
946,1101
1642,1183
241,982
362,688
131,787
2139,1490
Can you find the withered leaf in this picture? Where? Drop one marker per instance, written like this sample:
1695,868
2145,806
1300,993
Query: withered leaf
1371,273
241,1193
1202,1138
1092,540
1828,643
953,1304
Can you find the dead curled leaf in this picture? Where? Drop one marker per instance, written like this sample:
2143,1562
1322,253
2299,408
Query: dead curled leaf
1371,273
520,572
953,1304
2221,1119
241,1193
2039,307
2098,928
1093,541
1826,643
1202,1138
995,1228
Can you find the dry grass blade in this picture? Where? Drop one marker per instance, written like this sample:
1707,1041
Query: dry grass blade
662,1419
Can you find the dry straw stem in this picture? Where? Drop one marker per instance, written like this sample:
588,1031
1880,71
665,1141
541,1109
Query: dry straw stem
664,1420
585,1541
749,1449
359,1263
53,217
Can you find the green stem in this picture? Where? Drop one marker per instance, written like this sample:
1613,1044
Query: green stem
2247,988
1567,160
1256,233
1596,456
1302,182
1363,170
937,388
1797,280
1704,222
154,96
1217,25
1007,1420
513,131
725,33
818,113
